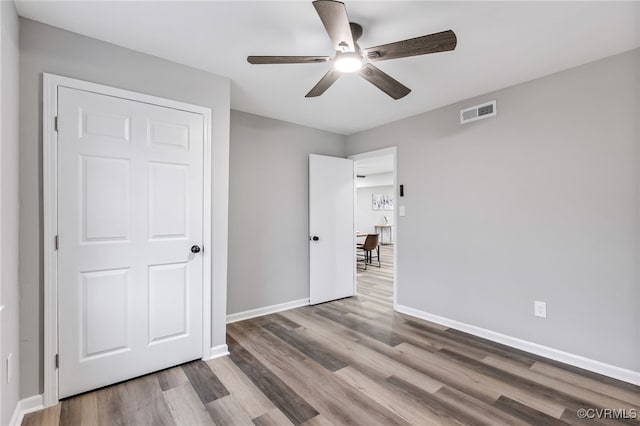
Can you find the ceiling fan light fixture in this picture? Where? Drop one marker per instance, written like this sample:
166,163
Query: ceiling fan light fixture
349,58
348,62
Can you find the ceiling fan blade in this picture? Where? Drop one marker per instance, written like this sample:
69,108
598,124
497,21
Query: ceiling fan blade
325,82
384,81
432,43
334,17
286,59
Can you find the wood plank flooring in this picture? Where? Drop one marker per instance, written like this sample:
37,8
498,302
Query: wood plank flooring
354,362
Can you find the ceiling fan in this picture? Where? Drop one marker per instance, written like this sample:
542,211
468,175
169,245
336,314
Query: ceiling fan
350,58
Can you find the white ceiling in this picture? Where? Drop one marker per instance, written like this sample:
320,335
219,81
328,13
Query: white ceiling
499,44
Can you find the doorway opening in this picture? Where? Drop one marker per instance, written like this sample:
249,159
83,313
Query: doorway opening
375,221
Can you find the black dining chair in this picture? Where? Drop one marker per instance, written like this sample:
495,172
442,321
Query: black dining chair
366,255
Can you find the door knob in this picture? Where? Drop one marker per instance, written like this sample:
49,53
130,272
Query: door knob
315,238
195,249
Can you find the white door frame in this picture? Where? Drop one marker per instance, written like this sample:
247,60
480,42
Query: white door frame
393,150
50,84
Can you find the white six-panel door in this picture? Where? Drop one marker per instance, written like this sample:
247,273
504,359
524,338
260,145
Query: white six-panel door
331,227
130,208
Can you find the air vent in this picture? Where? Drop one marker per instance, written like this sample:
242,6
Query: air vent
478,112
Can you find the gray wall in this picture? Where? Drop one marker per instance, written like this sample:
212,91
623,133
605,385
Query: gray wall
269,210
47,49
538,203
366,217
9,343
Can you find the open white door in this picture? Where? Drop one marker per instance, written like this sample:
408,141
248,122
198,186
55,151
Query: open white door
331,228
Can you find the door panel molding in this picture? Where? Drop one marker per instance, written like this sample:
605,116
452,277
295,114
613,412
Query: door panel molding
51,83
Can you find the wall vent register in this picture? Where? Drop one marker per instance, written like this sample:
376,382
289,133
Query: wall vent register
478,112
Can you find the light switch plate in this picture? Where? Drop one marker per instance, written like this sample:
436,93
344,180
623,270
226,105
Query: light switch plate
401,211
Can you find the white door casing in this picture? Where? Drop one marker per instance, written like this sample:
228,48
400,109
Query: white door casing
331,220
130,207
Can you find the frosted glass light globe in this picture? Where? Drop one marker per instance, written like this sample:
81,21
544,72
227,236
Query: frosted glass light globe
348,62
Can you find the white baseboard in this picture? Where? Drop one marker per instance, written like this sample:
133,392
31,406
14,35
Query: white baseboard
599,367
16,418
218,351
26,406
240,316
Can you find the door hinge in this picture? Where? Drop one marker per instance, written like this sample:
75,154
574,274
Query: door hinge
55,123
56,242
57,360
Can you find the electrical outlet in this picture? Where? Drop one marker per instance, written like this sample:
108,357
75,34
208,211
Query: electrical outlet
9,367
401,211
540,309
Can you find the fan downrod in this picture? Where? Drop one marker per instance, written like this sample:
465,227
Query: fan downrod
356,31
